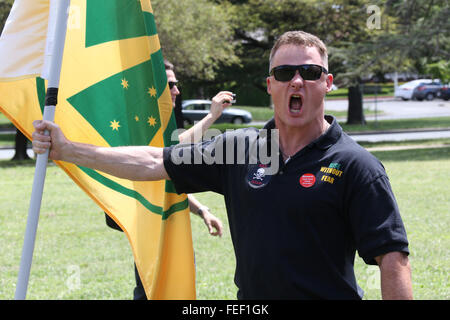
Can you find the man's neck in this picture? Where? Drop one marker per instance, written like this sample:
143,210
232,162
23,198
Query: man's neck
294,139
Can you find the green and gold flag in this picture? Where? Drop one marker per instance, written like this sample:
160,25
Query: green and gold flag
113,92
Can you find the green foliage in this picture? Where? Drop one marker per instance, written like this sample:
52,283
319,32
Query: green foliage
338,23
195,35
412,33
439,70
225,44
5,7
422,27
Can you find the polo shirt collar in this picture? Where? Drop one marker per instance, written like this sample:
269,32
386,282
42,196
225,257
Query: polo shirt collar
331,136
326,140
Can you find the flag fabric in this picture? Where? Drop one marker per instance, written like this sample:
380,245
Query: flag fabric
24,38
113,92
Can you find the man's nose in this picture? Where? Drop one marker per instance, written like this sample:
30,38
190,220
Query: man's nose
297,80
175,90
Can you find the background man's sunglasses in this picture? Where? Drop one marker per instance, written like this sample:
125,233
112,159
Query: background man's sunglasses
285,73
172,84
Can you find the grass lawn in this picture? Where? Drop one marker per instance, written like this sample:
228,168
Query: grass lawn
7,140
4,122
409,143
399,124
383,125
265,113
386,90
73,239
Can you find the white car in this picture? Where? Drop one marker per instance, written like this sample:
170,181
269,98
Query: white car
405,91
196,110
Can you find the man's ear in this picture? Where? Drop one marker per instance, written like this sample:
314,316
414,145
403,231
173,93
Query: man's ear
268,85
329,81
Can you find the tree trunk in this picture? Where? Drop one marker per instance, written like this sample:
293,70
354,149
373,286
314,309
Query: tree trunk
355,106
395,80
21,147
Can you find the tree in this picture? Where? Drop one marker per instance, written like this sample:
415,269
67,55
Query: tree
20,147
412,35
439,70
422,28
339,23
5,8
196,36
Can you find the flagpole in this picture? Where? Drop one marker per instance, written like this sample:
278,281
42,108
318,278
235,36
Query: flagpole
41,162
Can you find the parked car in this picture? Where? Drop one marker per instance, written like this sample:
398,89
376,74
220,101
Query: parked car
195,110
427,91
405,91
445,92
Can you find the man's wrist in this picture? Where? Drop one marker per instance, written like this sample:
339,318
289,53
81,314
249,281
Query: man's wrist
201,210
214,115
67,151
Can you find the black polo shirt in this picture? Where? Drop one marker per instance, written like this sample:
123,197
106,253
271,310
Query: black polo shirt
295,233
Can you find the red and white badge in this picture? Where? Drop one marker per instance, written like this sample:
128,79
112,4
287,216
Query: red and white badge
307,180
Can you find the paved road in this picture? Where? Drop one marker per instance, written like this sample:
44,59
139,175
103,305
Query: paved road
9,153
397,109
390,108
402,136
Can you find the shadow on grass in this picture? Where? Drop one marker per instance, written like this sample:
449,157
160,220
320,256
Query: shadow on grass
7,126
9,137
414,154
18,163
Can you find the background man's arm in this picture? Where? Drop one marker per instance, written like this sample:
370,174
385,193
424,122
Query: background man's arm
210,220
218,104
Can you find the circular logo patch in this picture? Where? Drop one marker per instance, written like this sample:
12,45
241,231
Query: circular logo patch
307,180
257,176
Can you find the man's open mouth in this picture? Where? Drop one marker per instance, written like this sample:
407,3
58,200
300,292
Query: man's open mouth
295,104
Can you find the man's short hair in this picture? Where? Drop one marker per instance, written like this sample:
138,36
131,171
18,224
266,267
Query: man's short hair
300,38
168,65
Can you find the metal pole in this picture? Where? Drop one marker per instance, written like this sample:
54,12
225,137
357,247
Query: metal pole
376,106
41,163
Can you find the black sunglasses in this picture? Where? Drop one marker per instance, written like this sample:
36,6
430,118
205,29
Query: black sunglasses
285,73
172,84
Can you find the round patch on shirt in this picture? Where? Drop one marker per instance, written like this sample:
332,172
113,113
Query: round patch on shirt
257,176
307,180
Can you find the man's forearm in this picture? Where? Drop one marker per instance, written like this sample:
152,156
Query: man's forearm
194,204
142,163
195,133
395,272
219,102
